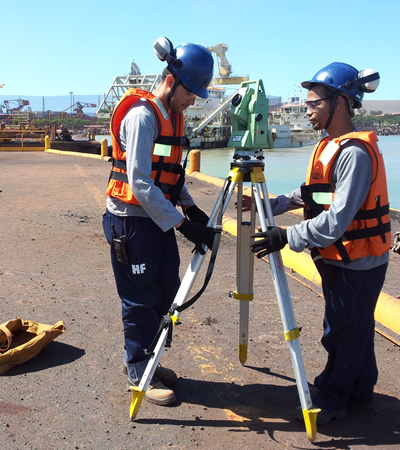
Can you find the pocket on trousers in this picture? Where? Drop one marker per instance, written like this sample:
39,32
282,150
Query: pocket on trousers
106,222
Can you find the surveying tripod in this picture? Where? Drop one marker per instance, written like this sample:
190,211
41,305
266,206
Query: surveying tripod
249,134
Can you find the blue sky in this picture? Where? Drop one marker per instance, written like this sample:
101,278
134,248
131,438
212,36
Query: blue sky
54,48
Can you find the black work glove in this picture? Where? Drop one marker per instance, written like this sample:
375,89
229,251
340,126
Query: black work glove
195,214
198,234
275,239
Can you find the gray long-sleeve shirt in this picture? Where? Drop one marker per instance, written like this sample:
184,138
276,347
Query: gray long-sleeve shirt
137,133
351,176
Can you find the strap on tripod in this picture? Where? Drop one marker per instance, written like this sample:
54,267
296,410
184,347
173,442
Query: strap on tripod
210,269
167,321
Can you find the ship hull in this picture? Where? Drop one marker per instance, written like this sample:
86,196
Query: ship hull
294,142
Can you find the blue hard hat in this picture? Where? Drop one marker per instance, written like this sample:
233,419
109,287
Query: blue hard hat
194,66
346,79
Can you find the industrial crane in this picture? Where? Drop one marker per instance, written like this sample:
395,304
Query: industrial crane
223,64
225,69
7,106
78,107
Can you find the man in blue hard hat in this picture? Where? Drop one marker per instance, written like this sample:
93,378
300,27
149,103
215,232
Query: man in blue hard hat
145,186
347,228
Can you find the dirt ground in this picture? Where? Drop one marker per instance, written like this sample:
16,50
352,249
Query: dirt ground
55,266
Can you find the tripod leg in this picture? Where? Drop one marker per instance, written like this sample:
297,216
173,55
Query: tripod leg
197,260
138,392
244,274
291,331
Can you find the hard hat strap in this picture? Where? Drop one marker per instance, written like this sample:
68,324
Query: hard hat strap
175,85
332,109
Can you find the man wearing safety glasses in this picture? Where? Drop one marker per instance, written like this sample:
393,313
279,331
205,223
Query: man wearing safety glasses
347,228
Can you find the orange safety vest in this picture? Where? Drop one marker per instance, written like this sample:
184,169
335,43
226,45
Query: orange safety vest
369,231
166,171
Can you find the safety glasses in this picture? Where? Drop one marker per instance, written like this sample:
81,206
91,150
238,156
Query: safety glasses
313,105
189,92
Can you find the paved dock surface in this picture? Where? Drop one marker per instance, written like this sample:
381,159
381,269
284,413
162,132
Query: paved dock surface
55,266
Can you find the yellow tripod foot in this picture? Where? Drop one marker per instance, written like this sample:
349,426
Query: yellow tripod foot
243,353
310,420
137,397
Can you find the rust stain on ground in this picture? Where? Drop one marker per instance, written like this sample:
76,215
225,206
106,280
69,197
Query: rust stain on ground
11,408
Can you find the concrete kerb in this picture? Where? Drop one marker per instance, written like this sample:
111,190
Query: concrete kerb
387,309
82,155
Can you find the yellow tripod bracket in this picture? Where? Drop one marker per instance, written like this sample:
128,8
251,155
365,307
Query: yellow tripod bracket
236,175
238,296
257,175
175,320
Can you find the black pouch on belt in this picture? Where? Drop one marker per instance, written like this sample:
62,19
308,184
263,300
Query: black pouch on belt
121,248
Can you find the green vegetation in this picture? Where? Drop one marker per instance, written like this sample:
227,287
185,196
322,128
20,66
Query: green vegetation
102,121
66,121
376,121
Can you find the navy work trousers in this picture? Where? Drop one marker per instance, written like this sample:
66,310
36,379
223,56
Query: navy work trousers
147,286
351,371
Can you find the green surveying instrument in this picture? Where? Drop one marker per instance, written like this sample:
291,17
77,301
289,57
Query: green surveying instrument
249,136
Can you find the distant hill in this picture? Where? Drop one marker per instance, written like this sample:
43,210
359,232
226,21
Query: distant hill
64,102
386,106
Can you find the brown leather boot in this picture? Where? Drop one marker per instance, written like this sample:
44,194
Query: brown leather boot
159,394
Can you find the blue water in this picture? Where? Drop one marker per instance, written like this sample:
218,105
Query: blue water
285,168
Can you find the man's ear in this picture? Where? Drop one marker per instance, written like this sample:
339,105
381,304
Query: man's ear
170,80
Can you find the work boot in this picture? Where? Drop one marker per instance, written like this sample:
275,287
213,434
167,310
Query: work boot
361,407
159,394
166,376
324,417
